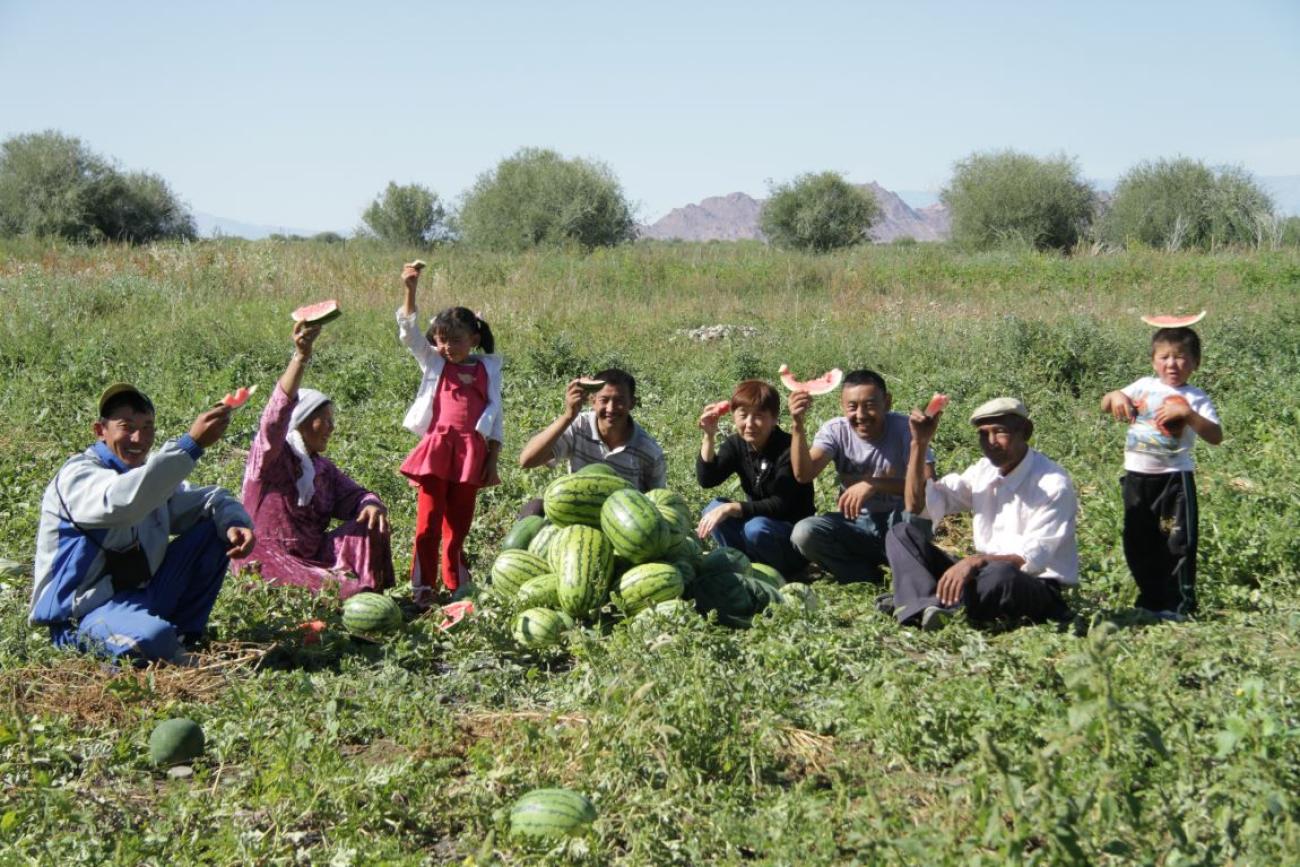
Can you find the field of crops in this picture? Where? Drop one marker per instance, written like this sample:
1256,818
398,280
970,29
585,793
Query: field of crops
825,738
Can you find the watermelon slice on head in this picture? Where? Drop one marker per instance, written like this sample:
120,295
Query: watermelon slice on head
824,384
1174,321
319,313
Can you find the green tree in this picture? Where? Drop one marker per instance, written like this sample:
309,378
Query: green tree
53,185
818,212
1004,197
410,215
1172,204
538,198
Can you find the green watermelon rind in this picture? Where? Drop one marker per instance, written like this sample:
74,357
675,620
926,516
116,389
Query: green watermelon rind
512,568
649,584
586,566
632,523
175,742
551,813
522,532
371,614
577,498
540,628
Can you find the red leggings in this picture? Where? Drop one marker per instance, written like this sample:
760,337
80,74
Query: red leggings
444,511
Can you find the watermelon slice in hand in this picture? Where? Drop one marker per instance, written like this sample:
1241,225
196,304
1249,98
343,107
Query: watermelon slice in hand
937,404
238,397
319,313
722,407
591,384
1174,321
824,384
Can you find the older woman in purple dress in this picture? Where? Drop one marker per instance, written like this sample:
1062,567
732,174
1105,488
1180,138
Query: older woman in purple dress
293,492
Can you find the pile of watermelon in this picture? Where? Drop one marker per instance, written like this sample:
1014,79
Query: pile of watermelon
606,549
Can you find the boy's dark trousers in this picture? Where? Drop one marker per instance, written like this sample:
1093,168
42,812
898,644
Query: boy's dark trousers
1160,535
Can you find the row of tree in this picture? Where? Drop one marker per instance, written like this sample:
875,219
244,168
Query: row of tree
53,185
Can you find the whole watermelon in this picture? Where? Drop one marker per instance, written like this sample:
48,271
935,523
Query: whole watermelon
674,508
542,541
598,469
726,560
512,568
522,533
586,565
577,498
551,813
633,525
540,628
175,742
767,574
542,591
371,614
648,584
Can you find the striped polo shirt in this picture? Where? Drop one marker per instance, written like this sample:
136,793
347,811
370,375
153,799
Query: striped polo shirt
640,460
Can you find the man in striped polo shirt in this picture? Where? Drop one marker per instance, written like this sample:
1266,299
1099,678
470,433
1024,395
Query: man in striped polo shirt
606,433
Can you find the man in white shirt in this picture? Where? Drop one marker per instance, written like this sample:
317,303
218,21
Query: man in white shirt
1023,509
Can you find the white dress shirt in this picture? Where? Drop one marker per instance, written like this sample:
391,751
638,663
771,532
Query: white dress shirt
1029,512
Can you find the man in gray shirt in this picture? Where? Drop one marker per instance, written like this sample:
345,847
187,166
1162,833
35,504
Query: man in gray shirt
869,446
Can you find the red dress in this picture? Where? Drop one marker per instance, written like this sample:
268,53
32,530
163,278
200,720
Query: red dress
452,449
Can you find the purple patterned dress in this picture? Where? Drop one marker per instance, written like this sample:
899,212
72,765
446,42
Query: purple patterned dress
293,546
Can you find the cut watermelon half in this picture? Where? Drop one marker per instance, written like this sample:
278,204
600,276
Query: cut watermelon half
937,404
238,397
318,314
1174,321
824,384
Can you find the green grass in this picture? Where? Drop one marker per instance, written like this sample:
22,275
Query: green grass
828,738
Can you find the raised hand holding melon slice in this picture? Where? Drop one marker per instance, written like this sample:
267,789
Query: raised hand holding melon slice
722,407
238,397
1174,321
319,313
824,384
937,404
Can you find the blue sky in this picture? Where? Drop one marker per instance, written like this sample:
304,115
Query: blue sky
298,113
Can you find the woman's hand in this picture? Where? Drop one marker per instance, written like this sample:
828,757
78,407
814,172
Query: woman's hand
374,517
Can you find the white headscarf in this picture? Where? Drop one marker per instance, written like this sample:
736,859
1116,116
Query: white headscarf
309,400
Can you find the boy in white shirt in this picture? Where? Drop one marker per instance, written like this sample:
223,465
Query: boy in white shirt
1165,415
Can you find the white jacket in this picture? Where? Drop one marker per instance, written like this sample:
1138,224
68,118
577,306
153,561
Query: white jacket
431,365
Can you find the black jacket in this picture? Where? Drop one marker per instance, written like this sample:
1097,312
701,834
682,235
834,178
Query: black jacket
767,477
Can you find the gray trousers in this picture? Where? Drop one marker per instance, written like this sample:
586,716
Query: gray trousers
852,551
999,590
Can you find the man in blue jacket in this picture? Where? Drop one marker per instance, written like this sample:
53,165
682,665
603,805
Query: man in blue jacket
109,576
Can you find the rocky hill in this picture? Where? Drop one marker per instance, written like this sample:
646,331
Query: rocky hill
735,218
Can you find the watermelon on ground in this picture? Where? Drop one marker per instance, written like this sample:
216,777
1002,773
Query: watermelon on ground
648,584
633,525
542,591
586,565
577,498
369,615
767,574
540,628
175,742
551,813
523,532
726,559
512,568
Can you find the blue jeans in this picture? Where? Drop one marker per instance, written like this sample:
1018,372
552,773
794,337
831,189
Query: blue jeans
151,621
764,540
851,551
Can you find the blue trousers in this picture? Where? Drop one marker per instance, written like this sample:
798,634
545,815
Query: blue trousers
851,551
151,622
764,540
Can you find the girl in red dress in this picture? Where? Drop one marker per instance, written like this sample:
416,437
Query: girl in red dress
457,415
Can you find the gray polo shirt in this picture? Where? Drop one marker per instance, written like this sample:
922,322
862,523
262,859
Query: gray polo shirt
855,457
640,460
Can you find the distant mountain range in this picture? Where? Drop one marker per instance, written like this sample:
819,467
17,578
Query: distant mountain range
211,226
735,218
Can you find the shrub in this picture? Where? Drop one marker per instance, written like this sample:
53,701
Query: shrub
1009,198
818,212
1172,204
52,185
409,215
538,198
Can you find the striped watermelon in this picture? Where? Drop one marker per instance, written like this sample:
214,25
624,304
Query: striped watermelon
538,546
674,508
633,525
371,614
512,568
577,498
648,584
798,591
538,628
599,469
586,567
686,548
522,533
767,575
671,609
540,592
726,560
687,570
551,813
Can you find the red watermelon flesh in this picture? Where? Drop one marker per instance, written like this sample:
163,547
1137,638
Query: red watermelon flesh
1174,321
1174,429
318,314
238,397
937,404
455,613
722,407
824,384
